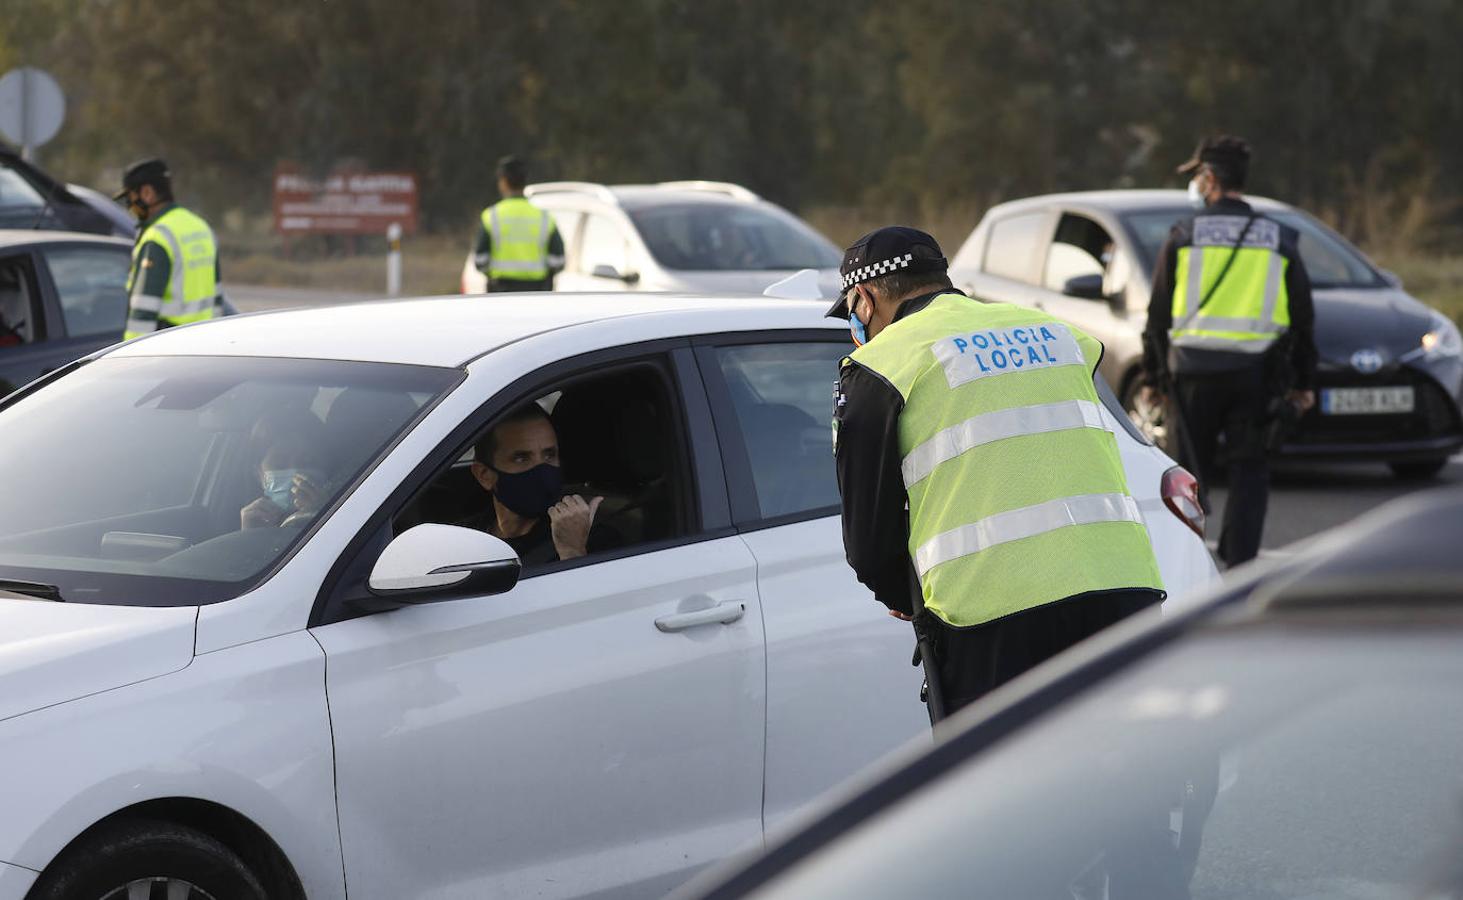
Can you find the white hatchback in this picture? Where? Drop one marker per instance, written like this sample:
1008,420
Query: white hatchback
356,692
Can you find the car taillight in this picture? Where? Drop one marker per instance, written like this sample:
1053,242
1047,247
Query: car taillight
1181,494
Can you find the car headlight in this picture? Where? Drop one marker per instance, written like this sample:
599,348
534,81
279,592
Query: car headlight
1442,338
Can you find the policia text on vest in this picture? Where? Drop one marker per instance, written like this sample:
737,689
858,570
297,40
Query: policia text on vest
518,247
174,276
1022,533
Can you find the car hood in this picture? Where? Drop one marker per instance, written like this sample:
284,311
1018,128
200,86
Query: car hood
753,282
1348,320
54,652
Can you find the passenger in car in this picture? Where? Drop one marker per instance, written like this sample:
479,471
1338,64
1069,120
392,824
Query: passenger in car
291,472
518,464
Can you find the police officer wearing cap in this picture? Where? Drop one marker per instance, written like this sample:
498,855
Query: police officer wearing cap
175,273
1231,332
983,496
518,246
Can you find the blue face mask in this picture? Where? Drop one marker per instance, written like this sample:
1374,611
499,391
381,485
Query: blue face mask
277,483
857,328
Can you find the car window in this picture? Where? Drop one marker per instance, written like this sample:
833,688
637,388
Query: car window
612,439
91,283
1329,262
1080,247
731,237
1325,765
167,481
780,395
1014,244
21,205
603,244
20,308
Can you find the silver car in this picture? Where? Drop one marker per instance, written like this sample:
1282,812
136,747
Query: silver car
1391,368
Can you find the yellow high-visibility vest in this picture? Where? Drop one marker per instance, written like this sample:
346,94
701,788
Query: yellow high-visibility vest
520,235
192,287
1017,493
1250,307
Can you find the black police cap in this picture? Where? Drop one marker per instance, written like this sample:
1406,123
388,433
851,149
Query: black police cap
1224,150
148,171
894,248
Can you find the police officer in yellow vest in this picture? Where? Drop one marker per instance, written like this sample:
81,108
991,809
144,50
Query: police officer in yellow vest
983,496
175,273
518,246
1231,332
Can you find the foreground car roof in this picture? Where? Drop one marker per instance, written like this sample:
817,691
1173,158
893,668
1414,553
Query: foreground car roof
453,330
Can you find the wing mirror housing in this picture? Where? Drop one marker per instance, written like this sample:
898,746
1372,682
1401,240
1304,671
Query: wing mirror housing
429,563
1086,287
604,270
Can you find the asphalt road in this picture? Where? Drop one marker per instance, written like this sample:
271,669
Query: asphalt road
1304,501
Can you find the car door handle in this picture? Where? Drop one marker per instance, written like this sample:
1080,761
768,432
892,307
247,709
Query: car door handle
720,614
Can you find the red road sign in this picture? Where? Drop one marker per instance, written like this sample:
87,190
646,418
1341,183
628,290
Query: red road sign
344,202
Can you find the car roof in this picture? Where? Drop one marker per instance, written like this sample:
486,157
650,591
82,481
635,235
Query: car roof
15,237
1119,202
1393,566
640,196
454,330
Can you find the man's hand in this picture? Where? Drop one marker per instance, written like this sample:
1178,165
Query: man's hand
1303,401
1151,396
262,513
569,522
307,495
903,617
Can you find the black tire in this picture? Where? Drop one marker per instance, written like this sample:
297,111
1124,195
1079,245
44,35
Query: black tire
101,865
1418,471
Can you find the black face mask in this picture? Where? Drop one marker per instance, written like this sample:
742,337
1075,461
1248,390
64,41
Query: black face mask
530,493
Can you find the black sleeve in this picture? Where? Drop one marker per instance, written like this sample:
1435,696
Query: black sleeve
1303,353
482,250
1160,313
155,270
866,453
556,245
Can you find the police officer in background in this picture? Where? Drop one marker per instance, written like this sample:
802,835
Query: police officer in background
982,495
175,272
518,247
1231,329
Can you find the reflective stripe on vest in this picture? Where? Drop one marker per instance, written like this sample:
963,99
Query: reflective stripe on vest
1017,494
192,289
519,232
1028,521
1250,308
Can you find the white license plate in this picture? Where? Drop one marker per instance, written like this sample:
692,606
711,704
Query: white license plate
1366,401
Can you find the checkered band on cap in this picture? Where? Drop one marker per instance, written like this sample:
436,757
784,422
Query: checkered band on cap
874,270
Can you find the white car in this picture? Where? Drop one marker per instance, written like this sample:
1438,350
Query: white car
369,696
677,236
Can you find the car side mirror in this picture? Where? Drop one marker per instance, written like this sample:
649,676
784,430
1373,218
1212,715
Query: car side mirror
604,270
431,562
1087,287
1392,278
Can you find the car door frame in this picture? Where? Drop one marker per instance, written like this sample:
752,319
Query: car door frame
56,311
35,356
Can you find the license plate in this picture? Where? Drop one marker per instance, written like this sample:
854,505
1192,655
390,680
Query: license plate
1366,401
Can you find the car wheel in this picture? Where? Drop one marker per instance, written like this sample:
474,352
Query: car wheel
1148,418
140,859
1417,471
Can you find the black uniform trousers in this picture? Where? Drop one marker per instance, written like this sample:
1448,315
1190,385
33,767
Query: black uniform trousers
508,285
1234,406
975,660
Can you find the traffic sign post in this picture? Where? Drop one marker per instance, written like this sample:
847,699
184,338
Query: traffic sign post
32,108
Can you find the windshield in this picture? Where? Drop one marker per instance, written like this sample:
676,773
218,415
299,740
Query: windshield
175,481
1329,262
726,237
1258,763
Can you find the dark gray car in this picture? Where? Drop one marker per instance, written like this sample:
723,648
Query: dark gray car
1391,369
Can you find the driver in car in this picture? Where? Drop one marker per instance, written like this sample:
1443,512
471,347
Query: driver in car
517,463
291,473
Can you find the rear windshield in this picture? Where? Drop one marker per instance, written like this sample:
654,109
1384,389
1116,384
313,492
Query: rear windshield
1329,261
175,481
731,237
